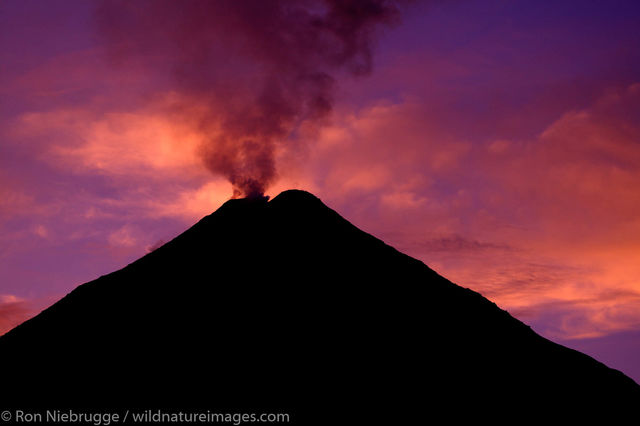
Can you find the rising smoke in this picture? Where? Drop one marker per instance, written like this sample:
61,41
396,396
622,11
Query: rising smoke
265,70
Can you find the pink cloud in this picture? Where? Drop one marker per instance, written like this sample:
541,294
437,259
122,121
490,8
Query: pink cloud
532,224
13,311
518,220
144,142
15,199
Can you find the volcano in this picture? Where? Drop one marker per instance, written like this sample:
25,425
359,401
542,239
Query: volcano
286,306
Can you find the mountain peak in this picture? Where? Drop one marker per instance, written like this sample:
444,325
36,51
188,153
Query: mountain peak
295,196
244,203
292,198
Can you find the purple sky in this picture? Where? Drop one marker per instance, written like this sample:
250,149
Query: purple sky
497,141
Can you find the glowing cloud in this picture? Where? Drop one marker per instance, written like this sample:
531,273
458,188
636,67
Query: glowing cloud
276,86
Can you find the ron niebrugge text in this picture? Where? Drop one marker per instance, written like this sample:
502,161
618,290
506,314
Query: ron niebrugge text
143,416
60,416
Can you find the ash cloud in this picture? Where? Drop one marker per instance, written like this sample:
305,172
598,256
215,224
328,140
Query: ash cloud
265,71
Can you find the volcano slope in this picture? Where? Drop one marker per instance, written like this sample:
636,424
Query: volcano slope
284,305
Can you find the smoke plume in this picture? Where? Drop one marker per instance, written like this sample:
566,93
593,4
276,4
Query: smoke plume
265,71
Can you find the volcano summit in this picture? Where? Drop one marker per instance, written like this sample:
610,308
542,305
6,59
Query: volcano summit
285,305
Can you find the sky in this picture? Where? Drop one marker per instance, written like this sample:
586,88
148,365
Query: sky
497,141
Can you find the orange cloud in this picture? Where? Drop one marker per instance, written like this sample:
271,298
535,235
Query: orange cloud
548,222
545,227
192,204
144,142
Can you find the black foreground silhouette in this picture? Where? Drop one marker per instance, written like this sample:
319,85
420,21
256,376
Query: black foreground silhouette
285,306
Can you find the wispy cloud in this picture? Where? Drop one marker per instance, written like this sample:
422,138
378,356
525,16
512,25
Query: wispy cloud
13,311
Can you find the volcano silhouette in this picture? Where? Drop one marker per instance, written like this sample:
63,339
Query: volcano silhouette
285,305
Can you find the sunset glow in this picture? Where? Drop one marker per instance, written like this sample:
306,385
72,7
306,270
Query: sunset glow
498,142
